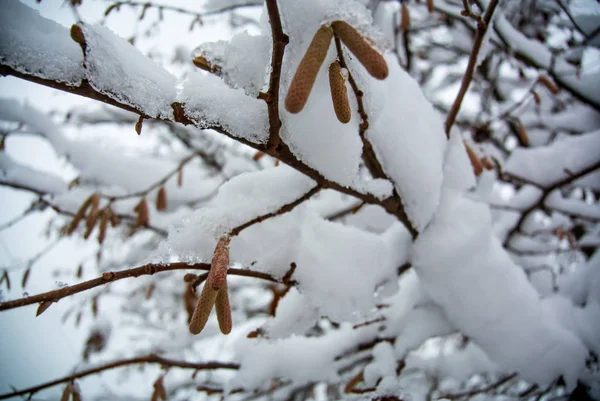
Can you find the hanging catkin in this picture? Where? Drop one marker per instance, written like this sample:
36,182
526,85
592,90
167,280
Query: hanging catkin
370,58
306,73
339,94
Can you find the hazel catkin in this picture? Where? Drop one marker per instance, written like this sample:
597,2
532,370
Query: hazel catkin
339,94
223,310
369,57
203,308
307,71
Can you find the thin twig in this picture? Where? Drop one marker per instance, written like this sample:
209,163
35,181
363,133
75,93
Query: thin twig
108,277
482,26
151,358
280,41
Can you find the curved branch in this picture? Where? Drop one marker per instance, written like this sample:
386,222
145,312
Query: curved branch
151,358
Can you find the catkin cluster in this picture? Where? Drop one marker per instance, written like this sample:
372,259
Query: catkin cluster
214,292
313,59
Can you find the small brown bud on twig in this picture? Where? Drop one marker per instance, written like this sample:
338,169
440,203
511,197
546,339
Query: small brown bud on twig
370,58
339,94
161,199
108,276
25,277
258,155
307,71
223,310
203,308
138,125
202,63
79,272
79,215
42,307
90,222
142,213
77,34
404,18
487,163
536,97
430,6
522,133
103,225
159,389
217,276
548,83
189,277
180,176
114,219
66,393
475,161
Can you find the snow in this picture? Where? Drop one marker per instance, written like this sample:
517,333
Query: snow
117,69
572,206
242,61
307,359
17,175
458,172
538,165
408,139
239,200
488,298
211,103
44,49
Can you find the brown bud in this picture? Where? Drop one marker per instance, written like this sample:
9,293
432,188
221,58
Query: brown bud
142,213
42,307
161,199
548,83
79,215
430,6
103,225
223,310
475,162
370,58
189,277
150,290
66,393
25,277
138,125
339,94
307,71
179,177
114,219
202,63
258,155
79,272
203,308
159,389
217,276
487,163
405,18
90,222
522,133
77,34
6,278
536,97
108,276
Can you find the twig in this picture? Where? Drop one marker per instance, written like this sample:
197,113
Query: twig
486,389
280,41
108,277
151,358
542,200
283,209
482,26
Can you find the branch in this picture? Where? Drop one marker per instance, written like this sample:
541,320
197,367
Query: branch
542,200
482,26
107,277
280,41
486,389
283,209
151,358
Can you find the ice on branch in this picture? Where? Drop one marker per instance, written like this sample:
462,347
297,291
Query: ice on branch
37,46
